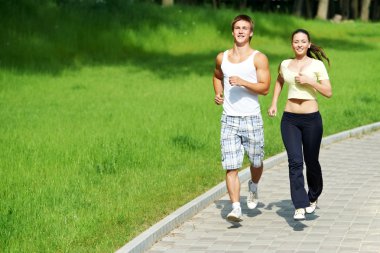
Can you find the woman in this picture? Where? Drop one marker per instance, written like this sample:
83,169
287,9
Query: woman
301,123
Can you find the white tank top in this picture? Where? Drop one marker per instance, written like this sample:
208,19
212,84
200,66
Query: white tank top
238,101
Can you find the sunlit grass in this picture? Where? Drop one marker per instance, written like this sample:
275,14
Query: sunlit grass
110,125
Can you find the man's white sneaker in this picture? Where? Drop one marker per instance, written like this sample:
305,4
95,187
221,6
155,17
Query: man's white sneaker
312,207
235,215
253,197
299,214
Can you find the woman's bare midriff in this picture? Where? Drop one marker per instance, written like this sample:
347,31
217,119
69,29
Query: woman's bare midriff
301,106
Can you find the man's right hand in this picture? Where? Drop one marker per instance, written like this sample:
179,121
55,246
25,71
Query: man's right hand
219,99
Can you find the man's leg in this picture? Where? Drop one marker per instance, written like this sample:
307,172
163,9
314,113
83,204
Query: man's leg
253,197
233,185
232,159
253,142
256,173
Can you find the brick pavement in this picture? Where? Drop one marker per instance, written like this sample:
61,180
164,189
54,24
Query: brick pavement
347,219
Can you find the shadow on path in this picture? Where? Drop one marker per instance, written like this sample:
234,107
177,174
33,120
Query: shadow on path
225,208
286,211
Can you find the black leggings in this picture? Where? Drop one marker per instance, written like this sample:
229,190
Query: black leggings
302,135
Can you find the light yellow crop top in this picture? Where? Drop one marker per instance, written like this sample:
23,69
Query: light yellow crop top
316,70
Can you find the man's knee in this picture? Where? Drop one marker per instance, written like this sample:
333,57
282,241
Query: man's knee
233,172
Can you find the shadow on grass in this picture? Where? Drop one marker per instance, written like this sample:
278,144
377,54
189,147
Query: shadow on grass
52,38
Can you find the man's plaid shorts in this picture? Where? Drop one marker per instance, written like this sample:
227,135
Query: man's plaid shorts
239,134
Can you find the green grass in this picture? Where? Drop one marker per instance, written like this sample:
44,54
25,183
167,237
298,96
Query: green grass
110,125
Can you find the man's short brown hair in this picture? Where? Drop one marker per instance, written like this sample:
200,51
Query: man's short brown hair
242,17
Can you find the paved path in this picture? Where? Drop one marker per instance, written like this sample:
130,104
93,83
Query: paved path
347,219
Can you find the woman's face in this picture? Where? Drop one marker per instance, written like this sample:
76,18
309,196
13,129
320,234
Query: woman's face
300,44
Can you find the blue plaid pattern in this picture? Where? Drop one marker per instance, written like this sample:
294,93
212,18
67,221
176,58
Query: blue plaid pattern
239,134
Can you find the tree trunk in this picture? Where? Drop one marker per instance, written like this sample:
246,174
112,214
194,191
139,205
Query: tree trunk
309,13
345,8
355,8
266,5
364,16
323,7
167,2
243,4
297,7
375,12
215,4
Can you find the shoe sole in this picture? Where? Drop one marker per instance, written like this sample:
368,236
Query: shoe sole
301,219
234,219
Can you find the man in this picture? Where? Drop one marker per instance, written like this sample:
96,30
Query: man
241,74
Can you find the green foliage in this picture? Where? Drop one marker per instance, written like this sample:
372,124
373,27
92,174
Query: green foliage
107,115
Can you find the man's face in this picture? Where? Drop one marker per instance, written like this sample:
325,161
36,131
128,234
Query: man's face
242,31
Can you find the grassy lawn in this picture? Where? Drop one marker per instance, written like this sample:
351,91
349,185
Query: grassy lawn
109,126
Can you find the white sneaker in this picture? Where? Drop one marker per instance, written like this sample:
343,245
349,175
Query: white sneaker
253,197
299,214
312,207
235,215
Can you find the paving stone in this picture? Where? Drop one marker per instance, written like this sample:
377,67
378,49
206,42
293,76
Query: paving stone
347,219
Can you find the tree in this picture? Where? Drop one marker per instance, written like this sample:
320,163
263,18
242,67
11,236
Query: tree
365,10
215,4
375,10
297,7
345,8
167,2
355,8
243,4
308,9
302,8
323,7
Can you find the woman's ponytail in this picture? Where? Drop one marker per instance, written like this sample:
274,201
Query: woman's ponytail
317,52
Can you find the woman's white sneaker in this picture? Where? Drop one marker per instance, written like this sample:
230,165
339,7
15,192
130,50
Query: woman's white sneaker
299,214
312,207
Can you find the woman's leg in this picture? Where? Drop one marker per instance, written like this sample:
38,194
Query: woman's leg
311,138
292,138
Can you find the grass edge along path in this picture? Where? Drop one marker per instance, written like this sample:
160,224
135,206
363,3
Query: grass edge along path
103,137
149,237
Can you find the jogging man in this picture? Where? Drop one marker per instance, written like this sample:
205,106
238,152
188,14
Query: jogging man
241,74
